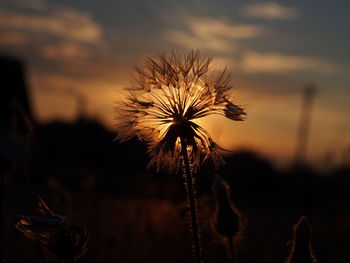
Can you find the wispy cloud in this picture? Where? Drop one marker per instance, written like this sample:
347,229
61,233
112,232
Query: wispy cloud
64,23
213,34
270,10
50,31
224,29
253,62
189,40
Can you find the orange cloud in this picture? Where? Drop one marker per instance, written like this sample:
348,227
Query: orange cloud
65,50
57,96
13,38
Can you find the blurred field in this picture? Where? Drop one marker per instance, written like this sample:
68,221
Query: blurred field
140,216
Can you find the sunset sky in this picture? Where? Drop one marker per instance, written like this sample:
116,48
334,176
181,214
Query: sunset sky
78,51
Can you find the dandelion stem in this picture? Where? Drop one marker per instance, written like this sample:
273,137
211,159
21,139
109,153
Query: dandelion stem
189,183
232,250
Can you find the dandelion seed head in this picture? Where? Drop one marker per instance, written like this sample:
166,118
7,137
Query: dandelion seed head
171,93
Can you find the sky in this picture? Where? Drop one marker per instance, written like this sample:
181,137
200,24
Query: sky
82,53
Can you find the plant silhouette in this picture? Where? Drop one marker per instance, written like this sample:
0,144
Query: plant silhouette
6,168
228,219
172,92
60,239
301,249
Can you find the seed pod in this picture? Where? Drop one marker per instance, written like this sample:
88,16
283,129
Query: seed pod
228,220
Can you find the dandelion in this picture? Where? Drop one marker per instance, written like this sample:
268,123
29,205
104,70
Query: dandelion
60,240
301,248
171,94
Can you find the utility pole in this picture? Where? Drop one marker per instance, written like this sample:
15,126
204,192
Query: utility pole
304,123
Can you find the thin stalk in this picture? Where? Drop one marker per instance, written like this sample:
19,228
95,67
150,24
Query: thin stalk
197,256
1,216
232,250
